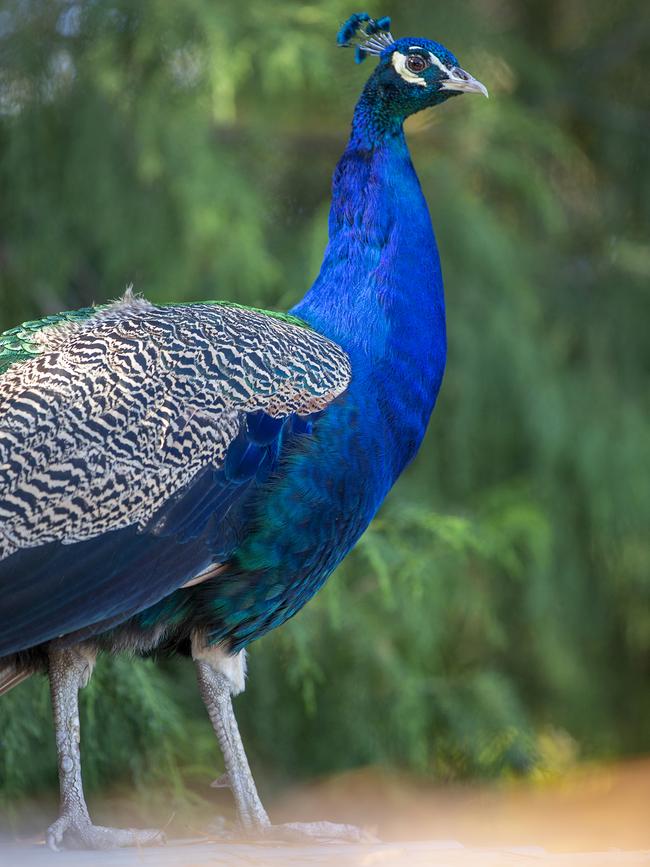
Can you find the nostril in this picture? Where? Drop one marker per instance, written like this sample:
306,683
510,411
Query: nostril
457,72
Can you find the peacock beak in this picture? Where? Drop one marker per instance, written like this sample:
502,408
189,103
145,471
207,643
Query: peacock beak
462,82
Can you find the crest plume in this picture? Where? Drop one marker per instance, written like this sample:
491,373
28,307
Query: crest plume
368,35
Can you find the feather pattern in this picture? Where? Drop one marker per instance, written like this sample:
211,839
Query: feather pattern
113,415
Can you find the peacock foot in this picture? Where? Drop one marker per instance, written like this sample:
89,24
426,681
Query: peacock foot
321,832
77,832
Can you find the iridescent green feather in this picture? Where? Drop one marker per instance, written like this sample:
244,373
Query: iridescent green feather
18,344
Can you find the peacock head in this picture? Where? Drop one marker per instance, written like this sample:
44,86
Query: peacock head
412,73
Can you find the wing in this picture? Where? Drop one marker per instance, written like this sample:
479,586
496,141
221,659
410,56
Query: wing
124,432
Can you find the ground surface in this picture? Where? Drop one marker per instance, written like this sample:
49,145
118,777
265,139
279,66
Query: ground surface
422,854
591,817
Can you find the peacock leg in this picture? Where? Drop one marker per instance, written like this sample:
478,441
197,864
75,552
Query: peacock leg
70,669
216,688
221,676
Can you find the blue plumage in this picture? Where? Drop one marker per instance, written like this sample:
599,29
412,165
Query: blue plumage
174,472
293,491
280,498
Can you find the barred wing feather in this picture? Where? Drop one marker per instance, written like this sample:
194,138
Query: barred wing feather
130,421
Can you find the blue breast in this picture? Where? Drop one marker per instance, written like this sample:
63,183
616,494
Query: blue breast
379,295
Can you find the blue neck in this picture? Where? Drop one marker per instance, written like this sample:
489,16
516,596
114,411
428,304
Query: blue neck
379,292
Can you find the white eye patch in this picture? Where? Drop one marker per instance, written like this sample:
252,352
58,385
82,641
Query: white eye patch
399,65
438,62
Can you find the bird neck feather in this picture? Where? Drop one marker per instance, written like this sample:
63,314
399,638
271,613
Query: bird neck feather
379,291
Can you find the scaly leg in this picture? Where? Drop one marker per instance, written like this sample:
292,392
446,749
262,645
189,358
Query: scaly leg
216,688
70,670
220,676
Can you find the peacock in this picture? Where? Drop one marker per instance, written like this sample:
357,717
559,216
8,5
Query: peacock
183,478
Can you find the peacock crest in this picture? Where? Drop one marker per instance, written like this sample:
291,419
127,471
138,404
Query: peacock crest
368,35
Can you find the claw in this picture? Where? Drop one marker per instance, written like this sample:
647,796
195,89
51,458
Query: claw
318,831
71,833
56,831
222,782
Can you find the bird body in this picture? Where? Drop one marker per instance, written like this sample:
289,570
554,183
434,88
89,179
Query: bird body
186,477
125,438
379,296
279,517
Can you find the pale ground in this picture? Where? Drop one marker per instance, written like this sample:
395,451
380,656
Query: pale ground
592,817
432,854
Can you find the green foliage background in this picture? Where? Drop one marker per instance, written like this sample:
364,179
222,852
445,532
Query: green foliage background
495,619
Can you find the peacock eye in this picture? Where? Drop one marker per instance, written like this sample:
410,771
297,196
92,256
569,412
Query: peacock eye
416,63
